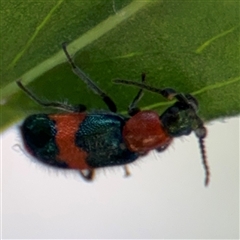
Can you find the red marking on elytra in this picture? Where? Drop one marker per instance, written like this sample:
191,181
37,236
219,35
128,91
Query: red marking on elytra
67,125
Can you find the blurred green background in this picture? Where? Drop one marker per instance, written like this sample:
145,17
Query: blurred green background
191,46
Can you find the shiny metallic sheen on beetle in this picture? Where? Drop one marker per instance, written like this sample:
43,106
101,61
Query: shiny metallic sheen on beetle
76,139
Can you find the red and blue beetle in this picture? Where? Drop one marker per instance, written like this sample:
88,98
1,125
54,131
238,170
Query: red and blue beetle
82,140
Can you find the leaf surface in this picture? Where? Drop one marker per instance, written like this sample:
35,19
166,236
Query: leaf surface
191,46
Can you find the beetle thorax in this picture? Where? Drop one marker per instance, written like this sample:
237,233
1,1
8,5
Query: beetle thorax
144,132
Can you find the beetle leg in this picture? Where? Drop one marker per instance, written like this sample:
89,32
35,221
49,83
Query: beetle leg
127,172
88,174
58,105
91,84
133,109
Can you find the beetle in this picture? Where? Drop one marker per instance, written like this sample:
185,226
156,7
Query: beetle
81,140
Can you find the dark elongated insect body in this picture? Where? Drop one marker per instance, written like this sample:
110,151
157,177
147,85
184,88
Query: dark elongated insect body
82,140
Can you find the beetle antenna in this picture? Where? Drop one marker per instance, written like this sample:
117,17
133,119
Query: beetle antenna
201,133
170,93
204,159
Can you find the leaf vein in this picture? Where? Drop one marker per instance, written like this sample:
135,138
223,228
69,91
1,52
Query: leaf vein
32,38
208,42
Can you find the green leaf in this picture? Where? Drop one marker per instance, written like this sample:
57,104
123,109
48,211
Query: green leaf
191,46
